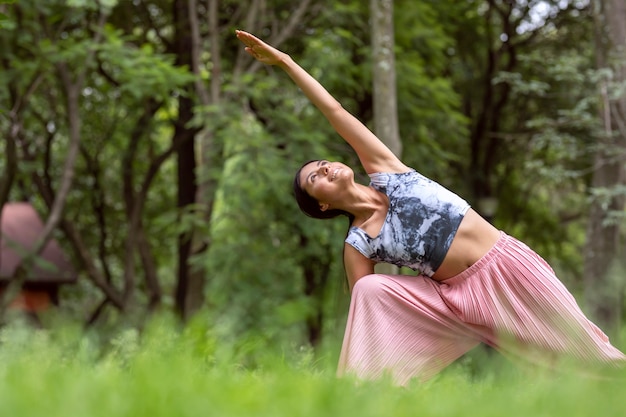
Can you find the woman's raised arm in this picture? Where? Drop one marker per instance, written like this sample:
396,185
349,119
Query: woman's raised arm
374,155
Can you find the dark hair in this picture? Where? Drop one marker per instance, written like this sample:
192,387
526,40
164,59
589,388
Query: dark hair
309,205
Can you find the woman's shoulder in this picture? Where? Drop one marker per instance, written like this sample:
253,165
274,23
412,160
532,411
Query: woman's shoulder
382,180
387,166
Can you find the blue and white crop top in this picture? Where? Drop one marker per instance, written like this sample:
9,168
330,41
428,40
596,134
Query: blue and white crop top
422,220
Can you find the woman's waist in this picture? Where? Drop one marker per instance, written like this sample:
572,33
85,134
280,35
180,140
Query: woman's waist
473,239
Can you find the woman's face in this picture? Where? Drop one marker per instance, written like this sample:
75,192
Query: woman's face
324,180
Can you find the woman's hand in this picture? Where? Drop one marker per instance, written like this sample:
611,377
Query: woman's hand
260,50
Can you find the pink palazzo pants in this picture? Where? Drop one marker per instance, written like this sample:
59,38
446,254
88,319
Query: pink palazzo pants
413,326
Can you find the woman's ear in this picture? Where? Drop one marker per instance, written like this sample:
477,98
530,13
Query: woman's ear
324,206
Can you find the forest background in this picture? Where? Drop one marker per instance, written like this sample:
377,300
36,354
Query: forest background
161,156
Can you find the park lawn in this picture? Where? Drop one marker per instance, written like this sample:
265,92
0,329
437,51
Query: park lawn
189,373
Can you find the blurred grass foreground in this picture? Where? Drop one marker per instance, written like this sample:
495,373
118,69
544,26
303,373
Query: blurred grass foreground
163,371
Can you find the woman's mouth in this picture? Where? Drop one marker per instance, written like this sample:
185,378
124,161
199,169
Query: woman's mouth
332,178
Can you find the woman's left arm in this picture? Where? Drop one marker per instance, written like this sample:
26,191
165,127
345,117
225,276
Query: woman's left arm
374,155
356,264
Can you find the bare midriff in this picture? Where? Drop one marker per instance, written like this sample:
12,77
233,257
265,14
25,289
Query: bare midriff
474,238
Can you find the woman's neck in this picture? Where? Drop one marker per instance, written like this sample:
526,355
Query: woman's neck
367,204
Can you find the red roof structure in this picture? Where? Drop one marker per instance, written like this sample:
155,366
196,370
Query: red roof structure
20,228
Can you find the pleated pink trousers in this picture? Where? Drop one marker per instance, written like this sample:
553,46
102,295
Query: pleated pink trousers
412,326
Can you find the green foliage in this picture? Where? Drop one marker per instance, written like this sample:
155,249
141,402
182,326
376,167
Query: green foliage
92,4
432,124
255,253
544,196
141,71
5,22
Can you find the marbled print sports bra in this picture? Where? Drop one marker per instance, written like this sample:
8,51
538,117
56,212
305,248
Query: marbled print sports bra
422,220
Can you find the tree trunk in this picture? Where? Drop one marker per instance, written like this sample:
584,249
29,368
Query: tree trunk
385,100
186,176
604,290
384,76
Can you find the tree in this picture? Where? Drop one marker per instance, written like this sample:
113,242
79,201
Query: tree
182,46
384,75
604,284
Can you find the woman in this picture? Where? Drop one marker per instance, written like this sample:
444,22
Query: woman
476,283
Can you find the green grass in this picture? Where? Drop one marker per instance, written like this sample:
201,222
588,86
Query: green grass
193,372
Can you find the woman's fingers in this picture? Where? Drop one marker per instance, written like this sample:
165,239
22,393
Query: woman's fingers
247,38
251,52
258,49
